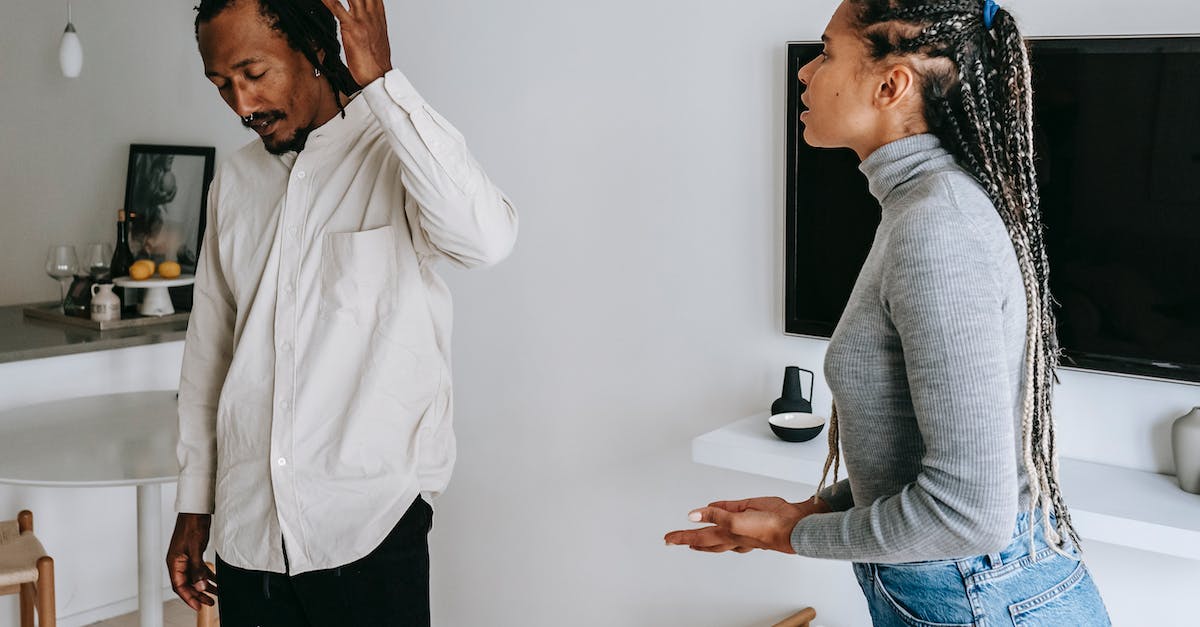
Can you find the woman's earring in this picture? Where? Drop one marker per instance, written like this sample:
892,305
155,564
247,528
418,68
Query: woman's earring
316,72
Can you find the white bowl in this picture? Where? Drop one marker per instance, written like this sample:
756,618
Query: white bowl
796,426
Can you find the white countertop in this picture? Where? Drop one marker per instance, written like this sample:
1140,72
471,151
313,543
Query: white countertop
1134,508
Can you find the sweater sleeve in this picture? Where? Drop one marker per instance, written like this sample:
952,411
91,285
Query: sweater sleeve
941,291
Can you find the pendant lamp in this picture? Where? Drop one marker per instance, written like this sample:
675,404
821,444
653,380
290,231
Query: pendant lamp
70,51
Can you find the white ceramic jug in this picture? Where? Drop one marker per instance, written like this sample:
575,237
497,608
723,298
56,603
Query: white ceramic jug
105,304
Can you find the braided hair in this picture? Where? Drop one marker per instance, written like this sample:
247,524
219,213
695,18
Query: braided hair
977,97
310,29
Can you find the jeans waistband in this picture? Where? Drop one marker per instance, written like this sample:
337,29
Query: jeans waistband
1020,546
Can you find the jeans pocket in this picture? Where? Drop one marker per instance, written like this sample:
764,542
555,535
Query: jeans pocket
925,595
1073,601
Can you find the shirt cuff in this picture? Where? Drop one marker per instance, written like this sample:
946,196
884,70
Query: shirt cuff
393,89
815,535
195,495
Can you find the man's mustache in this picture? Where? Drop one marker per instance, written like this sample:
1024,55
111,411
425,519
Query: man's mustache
262,116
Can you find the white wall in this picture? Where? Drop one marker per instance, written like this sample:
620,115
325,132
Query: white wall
643,145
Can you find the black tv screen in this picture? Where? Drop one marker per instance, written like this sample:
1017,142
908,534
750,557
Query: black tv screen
1118,155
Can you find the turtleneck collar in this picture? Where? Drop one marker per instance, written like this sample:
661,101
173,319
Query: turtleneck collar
900,161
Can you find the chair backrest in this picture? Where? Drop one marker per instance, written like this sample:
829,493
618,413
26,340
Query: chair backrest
9,531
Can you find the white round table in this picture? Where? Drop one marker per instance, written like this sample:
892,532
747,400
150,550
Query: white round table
111,440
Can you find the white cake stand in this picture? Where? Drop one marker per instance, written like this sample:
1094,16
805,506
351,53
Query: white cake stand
157,301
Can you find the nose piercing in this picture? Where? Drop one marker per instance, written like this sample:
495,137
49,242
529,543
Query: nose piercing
248,118
316,72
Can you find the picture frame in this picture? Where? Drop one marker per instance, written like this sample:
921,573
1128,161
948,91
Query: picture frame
166,201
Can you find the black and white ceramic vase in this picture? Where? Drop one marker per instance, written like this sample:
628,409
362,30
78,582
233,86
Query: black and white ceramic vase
792,399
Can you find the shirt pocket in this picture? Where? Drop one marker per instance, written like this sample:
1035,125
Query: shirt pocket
358,270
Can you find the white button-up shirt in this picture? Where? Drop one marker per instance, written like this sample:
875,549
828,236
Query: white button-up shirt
314,402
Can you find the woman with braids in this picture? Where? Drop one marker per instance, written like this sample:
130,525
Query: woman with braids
314,401
942,363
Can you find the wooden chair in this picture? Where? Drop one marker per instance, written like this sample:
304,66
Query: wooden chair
25,569
207,616
799,619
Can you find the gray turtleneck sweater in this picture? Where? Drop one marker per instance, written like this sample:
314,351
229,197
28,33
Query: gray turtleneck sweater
926,370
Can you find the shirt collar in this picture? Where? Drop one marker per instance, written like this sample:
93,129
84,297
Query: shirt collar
337,129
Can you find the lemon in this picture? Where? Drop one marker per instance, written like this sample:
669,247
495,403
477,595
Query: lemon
168,269
141,271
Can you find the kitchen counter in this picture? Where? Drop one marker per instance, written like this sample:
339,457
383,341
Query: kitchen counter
22,338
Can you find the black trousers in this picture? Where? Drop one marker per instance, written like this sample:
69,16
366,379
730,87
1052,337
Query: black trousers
388,587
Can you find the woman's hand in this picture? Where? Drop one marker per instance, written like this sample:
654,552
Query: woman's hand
365,37
741,526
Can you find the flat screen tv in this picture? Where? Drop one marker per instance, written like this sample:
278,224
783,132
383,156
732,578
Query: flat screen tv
1118,156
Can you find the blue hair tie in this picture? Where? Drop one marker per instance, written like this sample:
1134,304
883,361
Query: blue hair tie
990,8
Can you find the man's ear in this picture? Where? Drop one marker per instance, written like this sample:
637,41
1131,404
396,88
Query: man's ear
896,86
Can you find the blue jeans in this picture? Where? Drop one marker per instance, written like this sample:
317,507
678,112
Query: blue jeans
1008,588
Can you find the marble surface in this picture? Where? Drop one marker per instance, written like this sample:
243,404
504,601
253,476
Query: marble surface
22,338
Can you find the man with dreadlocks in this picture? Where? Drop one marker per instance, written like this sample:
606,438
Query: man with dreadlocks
942,363
314,401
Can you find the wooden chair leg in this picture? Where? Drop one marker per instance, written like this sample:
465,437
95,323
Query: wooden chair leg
27,604
208,616
799,619
45,592
28,593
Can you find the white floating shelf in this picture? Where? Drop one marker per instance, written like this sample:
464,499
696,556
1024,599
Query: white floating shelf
1133,508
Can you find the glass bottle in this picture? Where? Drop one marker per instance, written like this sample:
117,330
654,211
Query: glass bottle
121,260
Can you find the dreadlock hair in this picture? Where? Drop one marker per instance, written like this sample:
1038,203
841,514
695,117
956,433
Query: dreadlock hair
977,96
308,26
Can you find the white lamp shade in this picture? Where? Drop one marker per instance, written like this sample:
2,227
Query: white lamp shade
70,53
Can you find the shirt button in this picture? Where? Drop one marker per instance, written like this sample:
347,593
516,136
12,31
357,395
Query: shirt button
300,174
282,462
289,288
285,404
293,231
286,347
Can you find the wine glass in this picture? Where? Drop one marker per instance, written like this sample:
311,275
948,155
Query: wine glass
98,257
61,265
